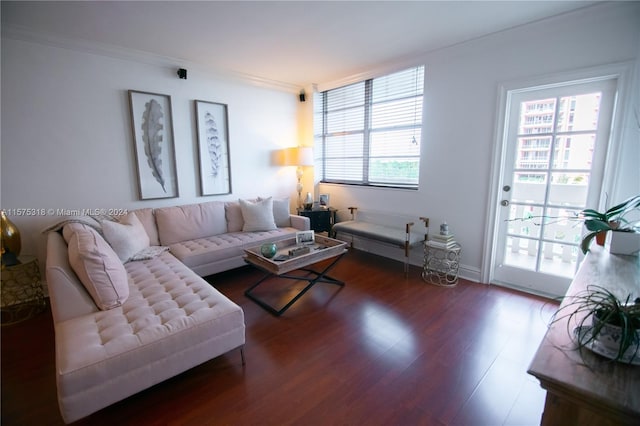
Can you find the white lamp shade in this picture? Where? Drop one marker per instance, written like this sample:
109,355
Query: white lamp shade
297,156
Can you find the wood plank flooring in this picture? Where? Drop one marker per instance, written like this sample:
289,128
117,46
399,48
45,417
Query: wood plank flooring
383,350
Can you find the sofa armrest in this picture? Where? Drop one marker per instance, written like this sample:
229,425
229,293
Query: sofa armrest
67,295
301,223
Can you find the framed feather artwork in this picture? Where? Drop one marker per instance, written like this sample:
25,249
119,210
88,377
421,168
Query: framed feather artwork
152,127
213,148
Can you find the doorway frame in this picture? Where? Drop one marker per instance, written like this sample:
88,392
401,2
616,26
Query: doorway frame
620,71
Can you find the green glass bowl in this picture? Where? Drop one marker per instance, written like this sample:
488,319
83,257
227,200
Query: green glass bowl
268,250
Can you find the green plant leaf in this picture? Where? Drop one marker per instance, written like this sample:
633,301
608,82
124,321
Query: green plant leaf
593,214
625,206
586,241
597,225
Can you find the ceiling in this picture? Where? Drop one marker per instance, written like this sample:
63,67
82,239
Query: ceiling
295,43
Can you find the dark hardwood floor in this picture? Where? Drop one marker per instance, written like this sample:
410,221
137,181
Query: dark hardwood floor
383,350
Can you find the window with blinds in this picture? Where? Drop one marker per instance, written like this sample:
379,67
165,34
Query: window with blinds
369,133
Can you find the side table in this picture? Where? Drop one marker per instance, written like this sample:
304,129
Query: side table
21,295
441,265
322,219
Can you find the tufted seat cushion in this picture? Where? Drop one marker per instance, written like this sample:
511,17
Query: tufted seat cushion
172,320
203,251
388,234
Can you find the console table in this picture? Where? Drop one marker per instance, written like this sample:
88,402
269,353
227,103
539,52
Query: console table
584,388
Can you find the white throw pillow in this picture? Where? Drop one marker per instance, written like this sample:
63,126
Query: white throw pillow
98,268
281,214
126,237
257,216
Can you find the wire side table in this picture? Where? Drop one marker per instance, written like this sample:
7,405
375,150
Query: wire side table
441,265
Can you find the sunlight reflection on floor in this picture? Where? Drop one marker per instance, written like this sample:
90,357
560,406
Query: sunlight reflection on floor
383,330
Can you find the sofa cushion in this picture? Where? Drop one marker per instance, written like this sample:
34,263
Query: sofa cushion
257,216
126,237
98,268
385,233
148,220
173,320
203,251
71,228
281,214
233,214
189,222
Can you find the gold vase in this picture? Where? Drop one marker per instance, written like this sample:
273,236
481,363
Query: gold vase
11,243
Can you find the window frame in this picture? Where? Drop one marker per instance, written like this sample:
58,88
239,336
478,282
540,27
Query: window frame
367,132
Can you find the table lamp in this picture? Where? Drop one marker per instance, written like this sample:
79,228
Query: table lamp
299,156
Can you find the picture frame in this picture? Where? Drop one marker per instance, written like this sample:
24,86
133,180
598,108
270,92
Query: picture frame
305,238
212,124
154,145
324,200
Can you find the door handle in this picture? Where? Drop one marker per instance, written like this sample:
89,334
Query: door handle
504,203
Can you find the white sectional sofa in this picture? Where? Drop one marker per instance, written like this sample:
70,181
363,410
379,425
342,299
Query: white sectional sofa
129,313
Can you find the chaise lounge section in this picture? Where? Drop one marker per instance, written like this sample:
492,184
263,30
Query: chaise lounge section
123,325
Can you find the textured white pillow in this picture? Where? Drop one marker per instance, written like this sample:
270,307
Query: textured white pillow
257,216
126,237
98,268
281,214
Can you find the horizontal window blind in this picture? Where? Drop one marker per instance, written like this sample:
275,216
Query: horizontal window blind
369,133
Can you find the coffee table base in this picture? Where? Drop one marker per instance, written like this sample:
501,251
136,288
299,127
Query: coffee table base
312,278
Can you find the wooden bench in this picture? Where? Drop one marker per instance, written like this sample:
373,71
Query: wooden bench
392,234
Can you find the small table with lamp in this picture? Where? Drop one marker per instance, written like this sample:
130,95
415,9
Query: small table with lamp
321,218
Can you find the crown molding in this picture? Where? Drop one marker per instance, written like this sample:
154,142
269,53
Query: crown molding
379,70
143,57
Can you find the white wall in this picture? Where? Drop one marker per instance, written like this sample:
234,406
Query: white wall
67,142
461,90
66,137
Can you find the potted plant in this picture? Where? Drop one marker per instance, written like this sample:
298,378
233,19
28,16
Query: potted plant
604,324
598,223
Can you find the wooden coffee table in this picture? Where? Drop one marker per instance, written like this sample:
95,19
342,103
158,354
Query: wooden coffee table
322,248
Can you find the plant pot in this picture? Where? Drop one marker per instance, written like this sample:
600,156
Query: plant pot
607,340
625,242
601,237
